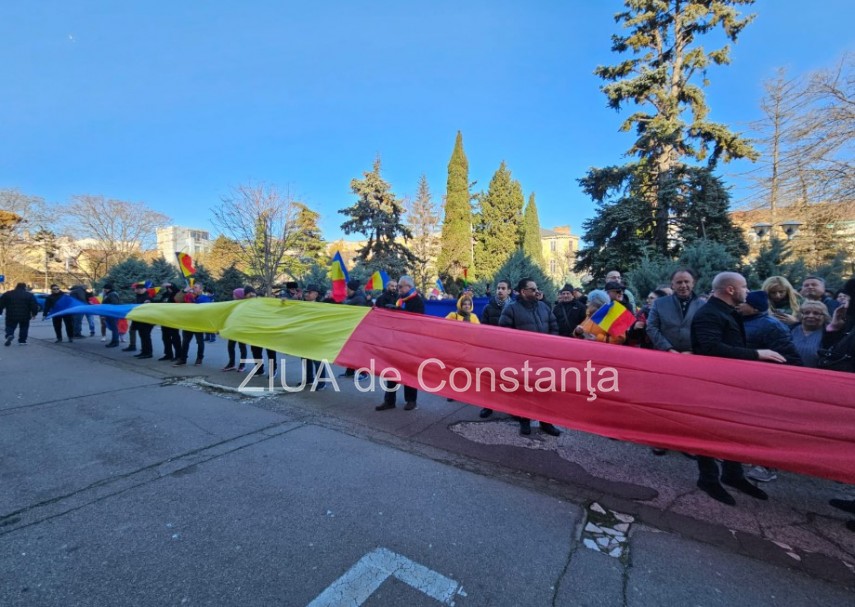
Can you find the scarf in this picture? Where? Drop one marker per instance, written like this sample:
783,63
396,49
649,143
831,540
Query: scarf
402,301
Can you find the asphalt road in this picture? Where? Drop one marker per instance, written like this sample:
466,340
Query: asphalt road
120,485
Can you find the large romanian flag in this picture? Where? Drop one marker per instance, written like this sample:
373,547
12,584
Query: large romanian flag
786,417
185,262
378,281
338,277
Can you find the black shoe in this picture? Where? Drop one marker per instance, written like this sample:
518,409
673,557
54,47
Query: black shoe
743,485
112,346
129,349
845,505
410,406
525,427
657,451
179,363
165,358
143,356
8,341
549,429
717,492
485,413
384,407
198,362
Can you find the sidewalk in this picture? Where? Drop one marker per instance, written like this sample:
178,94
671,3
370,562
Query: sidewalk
796,528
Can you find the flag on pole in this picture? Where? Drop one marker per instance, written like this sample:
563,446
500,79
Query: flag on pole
338,277
465,277
613,318
185,263
378,281
439,286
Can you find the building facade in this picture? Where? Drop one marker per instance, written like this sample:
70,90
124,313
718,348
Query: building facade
177,239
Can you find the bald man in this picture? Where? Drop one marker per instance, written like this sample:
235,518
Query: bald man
717,330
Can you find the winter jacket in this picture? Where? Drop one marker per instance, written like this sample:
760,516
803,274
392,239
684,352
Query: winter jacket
78,292
493,311
718,330
19,305
569,315
766,333
50,302
462,316
386,300
357,299
416,305
111,298
529,316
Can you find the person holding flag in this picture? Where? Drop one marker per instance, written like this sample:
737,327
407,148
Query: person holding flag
607,319
56,301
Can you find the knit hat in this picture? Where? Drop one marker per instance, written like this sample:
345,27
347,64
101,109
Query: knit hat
758,300
567,288
238,293
353,285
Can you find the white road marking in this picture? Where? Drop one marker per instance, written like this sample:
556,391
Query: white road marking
360,581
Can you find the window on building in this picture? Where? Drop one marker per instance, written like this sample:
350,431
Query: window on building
552,245
552,266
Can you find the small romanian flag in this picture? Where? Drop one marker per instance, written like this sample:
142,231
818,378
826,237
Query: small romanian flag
439,286
338,277
613,318
378,281
185,262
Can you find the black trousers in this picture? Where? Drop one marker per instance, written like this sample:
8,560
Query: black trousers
708,472
271,354
66,320
144,331
410,394
189,336
231,350
171,342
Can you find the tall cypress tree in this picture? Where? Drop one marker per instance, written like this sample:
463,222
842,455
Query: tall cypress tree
499,220
670,122
456,249
532,246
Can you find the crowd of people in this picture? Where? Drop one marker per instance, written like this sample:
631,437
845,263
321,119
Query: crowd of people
776,324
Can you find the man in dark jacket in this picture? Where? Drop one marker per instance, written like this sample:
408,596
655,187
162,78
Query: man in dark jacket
493,310
171,337
355,295
717,330
568,312
490,316
20,306
51,301
529,314
78,292
389,296
409,301
143,329
111,298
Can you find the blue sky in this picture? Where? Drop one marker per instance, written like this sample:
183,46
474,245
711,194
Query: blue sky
174,103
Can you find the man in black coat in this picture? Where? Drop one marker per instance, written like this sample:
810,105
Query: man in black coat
50,301
171,337
529,314
389,296
568,312
20,306
717,330
493,310
143,329
409,301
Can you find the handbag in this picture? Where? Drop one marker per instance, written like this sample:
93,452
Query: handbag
839,357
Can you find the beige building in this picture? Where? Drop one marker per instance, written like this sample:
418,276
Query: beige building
177,239
559,252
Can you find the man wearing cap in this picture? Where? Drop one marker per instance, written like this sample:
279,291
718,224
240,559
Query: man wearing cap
627,297
718,330
568,312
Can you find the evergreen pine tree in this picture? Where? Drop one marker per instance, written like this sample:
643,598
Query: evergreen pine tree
123,275
307,244
160,271
423,221
456,248
318,275
531,233
377,214
519,266
229,280
498,223
658,77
